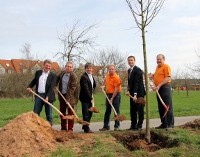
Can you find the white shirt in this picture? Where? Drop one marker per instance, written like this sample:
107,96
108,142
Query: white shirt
42,82
91,79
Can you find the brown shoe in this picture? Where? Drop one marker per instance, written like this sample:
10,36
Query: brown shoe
104,129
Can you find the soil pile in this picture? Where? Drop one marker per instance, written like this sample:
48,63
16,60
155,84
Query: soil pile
29,135
193,125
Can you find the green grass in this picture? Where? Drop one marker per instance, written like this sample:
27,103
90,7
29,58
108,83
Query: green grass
183,106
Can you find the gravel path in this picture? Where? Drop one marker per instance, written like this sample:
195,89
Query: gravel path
95,126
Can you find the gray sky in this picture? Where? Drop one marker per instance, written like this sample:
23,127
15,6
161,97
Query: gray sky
174,32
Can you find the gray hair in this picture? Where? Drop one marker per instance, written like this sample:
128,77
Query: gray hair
161,55
47,61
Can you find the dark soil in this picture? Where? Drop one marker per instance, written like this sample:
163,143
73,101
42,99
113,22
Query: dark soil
136,140
192,125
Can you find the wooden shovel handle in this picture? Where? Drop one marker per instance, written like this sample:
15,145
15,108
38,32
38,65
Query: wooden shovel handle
67,103
47,102
109,102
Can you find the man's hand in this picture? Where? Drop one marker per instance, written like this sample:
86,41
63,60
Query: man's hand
150,75
111,101
47,99
102,87
134,98
92,101
29,89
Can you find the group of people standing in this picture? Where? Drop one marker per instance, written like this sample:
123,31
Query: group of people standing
68,85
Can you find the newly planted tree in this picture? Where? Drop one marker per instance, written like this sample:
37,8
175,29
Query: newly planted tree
144,11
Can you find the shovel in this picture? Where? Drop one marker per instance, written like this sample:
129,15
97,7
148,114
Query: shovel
140,100
163,103
63,117
117,117
93,108
75,116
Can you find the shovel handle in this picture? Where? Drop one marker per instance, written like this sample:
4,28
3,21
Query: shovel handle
67,103
161,99
47,102
109,102
92,101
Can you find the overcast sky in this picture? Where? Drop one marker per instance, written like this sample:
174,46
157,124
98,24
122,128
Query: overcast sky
174,32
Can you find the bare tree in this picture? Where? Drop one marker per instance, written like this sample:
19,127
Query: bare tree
176,83
182,81
195,67
144,11
106,57
76,42
26,51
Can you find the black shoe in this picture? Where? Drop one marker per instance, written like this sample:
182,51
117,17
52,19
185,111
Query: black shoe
104,129
130,129
116,129
88,131
160,127
133,129
139,127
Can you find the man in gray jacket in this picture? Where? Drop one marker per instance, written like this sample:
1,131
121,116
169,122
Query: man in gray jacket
68,86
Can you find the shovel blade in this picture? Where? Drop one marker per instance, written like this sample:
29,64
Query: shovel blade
68,117
119,118
93,109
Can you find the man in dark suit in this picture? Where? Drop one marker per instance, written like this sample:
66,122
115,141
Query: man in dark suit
87,86
68,86
136,89
44,81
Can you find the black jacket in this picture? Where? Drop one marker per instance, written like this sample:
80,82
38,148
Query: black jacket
50,84
86,88
135,82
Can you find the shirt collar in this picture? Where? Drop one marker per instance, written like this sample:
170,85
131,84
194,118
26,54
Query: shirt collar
45,72
132,67
89,74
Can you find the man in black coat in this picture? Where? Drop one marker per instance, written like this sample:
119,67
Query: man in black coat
87,86
136,90
44,81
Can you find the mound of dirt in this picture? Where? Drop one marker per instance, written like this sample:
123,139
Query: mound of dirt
30,135
193,125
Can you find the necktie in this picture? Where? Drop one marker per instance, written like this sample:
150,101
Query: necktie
129,74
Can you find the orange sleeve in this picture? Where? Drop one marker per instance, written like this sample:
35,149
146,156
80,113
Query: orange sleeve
167,71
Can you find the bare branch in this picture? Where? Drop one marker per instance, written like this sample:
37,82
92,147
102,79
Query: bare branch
76,41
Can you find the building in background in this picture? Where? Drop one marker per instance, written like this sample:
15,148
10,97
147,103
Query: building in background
23,66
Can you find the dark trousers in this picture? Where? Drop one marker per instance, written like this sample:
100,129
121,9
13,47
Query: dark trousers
137,114
87,115
39,103
166,94
116,104
66,124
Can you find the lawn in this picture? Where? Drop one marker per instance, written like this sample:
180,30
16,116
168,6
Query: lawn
183,106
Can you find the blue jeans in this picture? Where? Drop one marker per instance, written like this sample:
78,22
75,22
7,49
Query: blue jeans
116,104
39,103
87,115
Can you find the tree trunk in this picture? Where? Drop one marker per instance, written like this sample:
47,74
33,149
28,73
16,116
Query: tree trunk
148,135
